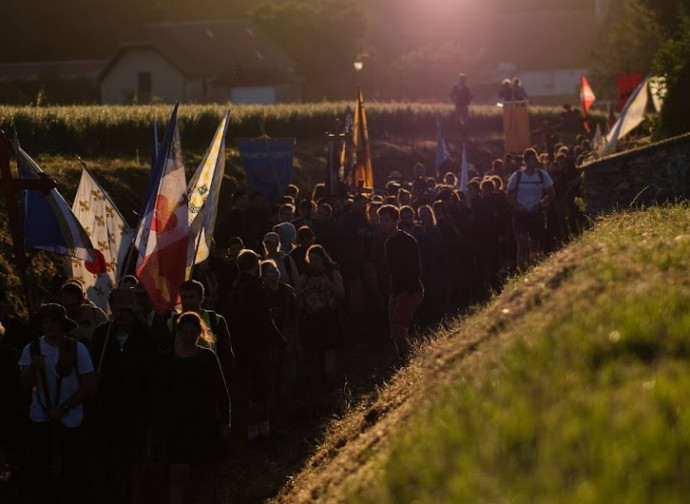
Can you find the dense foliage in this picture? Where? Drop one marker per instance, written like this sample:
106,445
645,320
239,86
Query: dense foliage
651,36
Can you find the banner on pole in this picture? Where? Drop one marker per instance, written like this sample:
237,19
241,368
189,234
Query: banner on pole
516,130
267,164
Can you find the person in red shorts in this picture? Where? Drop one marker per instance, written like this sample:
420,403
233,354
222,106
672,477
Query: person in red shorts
407,292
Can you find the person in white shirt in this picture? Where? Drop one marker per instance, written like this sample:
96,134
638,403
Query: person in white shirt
530,190
59,373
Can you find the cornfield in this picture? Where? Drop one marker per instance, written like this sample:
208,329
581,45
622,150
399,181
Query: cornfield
113,130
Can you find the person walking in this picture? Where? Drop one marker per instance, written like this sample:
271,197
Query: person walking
530,190
197,411
407,291
461,96
57,370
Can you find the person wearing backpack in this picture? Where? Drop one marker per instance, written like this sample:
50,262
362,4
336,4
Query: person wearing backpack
320,290
529,192
59,373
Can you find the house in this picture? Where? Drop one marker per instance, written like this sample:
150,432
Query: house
201,61
548,49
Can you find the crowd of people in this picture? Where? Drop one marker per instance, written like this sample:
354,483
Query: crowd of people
96,399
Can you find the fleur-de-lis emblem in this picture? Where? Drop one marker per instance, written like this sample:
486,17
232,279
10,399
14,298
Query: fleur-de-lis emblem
102,245
121,227
100,221
96,195
84,206
109,212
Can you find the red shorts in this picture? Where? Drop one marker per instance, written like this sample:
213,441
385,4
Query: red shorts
401,307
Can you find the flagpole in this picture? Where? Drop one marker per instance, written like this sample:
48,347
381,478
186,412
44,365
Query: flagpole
10,189
196,251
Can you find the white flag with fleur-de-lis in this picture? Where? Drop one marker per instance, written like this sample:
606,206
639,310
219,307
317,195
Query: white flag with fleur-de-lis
203,192
110,235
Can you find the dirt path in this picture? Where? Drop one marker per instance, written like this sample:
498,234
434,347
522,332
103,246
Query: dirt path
257,471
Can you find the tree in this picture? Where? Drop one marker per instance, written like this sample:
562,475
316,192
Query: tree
323,36
632,36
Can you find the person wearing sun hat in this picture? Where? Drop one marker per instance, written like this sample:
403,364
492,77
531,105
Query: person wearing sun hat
86,315
59,373
126,356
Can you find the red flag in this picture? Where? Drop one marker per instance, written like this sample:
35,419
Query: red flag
586,99
627,84
163,233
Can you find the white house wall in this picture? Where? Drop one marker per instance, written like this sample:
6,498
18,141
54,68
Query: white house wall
120,83
260,95
551,82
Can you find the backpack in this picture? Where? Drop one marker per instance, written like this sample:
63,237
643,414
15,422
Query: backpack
318,301
519,176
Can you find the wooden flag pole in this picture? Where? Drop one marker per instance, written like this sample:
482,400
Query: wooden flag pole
10,187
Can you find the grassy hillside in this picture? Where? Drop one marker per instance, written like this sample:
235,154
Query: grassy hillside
571,386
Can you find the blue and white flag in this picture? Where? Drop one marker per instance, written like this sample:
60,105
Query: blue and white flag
442,150
268,165
463,179
50,224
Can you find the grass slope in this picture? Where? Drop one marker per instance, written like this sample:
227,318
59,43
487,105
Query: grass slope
571,386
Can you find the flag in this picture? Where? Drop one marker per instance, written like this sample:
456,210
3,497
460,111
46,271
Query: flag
108,231
442,150
516,129
164,231
632,115
155,145
586,99
347,161
627,84
50,224
267,165
363,175
597,139
203,192
464,172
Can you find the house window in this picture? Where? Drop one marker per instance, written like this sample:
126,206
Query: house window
144,86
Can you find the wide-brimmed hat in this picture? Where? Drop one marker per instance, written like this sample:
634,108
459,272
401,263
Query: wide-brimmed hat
55,311
124,299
